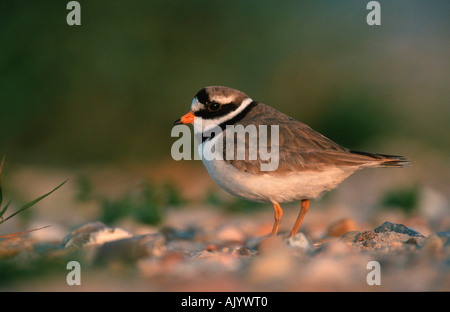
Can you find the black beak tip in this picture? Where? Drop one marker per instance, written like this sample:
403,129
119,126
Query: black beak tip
177,122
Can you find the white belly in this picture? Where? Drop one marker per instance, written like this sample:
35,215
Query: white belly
269,188
265,187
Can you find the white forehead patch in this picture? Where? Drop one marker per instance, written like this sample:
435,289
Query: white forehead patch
195,106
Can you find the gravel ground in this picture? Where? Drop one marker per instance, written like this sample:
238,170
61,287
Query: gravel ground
199,247
227,259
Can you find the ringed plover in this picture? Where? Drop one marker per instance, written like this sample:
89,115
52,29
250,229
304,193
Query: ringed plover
309,163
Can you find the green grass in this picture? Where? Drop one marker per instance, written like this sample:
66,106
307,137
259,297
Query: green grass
145,203
4,209
142,205
405,199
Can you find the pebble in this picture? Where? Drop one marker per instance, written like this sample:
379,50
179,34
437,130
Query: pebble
211,247
93,234
341,227
386,236
299,241
398,228
132,249
243,251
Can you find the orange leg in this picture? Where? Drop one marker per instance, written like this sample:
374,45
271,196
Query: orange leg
303,210
278,215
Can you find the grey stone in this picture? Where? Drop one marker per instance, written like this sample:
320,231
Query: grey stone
398,228
132,249
388,235
300,241
93,234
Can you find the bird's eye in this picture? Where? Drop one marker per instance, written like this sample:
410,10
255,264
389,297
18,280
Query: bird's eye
214,106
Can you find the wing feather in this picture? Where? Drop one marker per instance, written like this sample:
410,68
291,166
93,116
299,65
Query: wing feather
300,147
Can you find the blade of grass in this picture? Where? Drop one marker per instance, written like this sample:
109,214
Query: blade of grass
1,169
33,202
3,211
24,232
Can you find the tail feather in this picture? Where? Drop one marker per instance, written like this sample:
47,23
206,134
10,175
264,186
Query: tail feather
386,160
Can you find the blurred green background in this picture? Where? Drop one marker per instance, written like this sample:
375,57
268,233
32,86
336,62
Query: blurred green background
108,91
95,104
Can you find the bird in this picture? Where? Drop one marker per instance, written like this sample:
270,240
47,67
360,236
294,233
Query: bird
308,164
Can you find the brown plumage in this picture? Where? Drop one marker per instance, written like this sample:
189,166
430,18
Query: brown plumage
309,163
302,148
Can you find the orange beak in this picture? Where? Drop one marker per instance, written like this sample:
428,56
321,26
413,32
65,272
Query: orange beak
188,118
